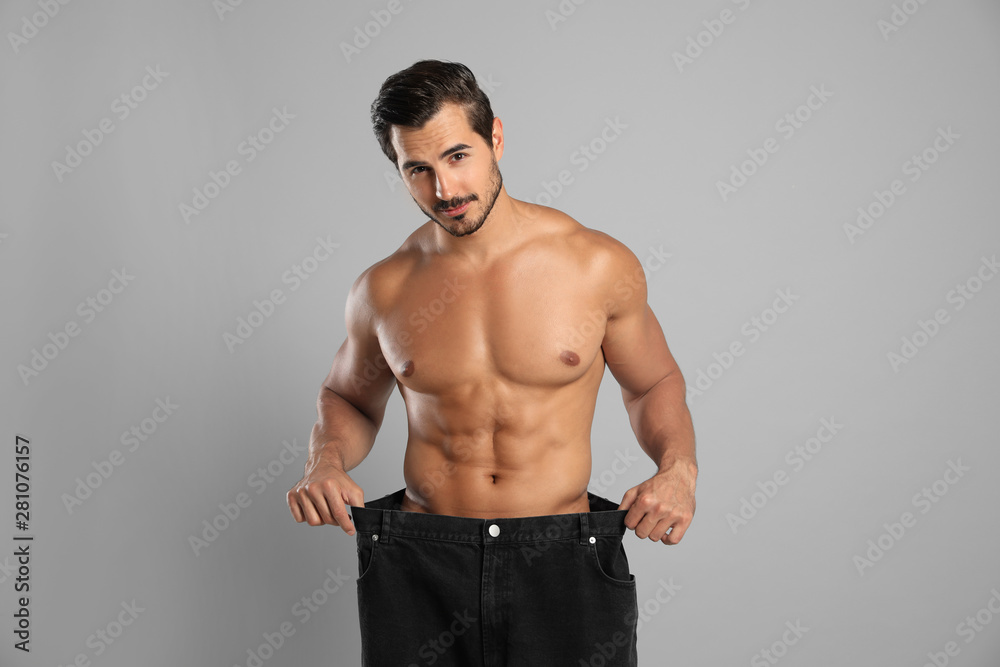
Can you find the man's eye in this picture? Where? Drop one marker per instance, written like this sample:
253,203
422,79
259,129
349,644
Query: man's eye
417,170
458,156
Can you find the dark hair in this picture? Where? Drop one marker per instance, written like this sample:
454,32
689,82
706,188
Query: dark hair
412,96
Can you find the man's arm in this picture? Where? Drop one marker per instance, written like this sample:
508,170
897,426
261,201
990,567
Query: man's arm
351,406
654,393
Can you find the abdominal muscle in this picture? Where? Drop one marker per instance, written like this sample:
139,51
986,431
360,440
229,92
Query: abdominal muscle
496,476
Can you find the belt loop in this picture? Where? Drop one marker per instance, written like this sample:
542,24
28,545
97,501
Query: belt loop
384,535
584,528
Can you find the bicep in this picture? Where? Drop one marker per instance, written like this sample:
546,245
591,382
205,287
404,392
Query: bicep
634,346
359,373
636,352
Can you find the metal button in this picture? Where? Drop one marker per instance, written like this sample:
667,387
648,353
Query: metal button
494,530
375,537
593,540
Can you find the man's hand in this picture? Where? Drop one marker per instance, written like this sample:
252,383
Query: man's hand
661,503
320,495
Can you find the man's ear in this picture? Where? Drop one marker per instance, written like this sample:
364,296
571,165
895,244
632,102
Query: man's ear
498,138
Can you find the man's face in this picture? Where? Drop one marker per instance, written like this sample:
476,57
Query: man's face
449,170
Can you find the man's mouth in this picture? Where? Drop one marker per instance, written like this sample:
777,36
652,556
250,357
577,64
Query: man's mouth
458,210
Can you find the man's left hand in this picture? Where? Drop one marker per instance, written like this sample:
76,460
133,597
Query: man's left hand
661,508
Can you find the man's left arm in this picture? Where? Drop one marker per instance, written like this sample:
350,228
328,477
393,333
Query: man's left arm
653,389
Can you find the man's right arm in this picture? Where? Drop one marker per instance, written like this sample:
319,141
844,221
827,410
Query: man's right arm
351,406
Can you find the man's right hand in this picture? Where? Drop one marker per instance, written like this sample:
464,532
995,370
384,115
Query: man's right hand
320,495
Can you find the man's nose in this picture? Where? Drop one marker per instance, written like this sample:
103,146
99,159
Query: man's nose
445,187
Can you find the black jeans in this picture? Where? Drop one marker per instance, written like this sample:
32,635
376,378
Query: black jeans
550,590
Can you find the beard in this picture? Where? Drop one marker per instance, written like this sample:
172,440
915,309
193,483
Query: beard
462,225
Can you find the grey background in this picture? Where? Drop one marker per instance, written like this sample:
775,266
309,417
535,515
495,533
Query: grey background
554,84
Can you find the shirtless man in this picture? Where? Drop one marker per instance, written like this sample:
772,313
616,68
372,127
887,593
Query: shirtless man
495,320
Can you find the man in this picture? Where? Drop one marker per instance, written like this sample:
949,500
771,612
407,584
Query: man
495,319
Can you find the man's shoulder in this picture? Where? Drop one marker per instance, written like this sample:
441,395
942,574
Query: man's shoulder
607,268
595,250
377,285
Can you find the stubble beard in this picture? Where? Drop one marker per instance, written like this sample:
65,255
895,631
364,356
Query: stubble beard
465,226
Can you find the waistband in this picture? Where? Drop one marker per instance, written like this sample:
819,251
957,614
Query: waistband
385,518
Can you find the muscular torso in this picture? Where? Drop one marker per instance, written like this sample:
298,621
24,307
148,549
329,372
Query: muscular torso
499,368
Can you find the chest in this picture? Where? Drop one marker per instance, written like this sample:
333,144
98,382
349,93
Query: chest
533,324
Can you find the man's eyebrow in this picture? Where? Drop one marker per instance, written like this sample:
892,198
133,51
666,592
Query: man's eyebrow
454,149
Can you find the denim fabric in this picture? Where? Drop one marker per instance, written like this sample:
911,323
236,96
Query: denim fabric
441,590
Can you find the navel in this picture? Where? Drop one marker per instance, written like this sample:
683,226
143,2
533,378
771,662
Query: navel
569,357
407,369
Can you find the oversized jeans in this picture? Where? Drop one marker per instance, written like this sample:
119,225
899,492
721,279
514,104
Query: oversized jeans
441,590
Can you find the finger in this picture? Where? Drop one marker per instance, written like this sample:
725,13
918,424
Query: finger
636,510
628,499
318,497
676,533
309,512
342,518
662,529
293,505
646,526
635,515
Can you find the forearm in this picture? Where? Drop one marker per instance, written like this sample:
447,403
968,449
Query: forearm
342,435
662,423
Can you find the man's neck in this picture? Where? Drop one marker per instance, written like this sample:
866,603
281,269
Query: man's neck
504,229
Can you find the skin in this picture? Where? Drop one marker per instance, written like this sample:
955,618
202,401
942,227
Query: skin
496,327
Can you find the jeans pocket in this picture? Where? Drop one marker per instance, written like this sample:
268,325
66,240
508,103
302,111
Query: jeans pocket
367,552
608,556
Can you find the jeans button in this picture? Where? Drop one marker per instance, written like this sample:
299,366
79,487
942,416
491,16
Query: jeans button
494,530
